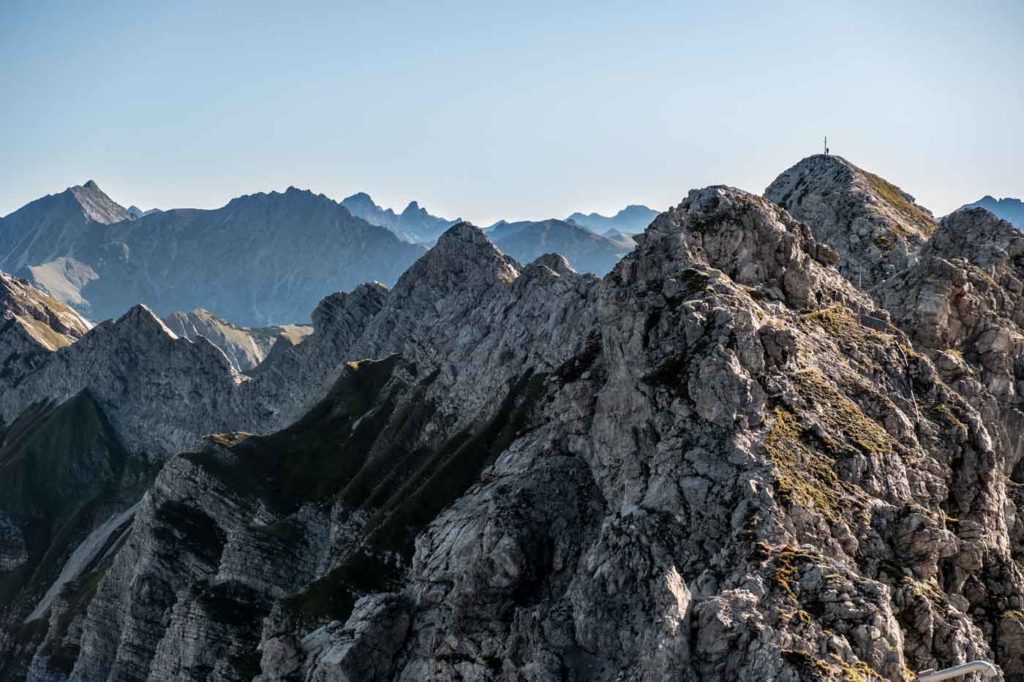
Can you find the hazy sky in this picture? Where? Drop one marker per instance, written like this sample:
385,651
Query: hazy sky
514,110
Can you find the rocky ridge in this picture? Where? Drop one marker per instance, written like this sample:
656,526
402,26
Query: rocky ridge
666,443
35,318
244,347
159,391
520,465
876,227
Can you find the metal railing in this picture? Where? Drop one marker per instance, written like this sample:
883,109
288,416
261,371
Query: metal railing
985,668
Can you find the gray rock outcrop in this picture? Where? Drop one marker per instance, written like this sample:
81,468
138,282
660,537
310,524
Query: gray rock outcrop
874,226
32,325
721,461
244,347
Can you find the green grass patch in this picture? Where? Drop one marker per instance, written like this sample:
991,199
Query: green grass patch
913,215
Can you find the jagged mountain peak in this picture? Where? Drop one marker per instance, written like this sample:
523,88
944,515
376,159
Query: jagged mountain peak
821,171
51,226
141,318
97,205
370,295
414,224
875,227
463,257
555,262
360,200
977,235
746,237
463,233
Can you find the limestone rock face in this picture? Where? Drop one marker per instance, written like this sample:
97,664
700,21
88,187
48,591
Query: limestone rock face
417,429
244,347
721,461
31,309
160,392
962,306
294,377
875,227
32,325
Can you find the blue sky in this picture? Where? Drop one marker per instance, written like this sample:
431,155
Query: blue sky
516,110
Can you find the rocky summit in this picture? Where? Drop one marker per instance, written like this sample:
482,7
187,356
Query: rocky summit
779,440
876,227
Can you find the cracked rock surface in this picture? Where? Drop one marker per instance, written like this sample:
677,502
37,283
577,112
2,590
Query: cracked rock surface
723,460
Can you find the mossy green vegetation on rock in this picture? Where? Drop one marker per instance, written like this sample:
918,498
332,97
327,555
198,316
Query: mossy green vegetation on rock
804,475
360,448
412,501
903,203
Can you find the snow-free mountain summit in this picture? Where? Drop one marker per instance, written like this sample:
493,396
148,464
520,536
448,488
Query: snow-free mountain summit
756,449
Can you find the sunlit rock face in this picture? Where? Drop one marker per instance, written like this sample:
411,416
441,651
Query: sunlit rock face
874,226
245,347
723,460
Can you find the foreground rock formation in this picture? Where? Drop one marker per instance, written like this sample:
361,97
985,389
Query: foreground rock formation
721,461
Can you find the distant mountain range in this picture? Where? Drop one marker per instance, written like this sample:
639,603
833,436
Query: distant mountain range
784,422
262,259
586,252
633,219
414,224
1009,209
